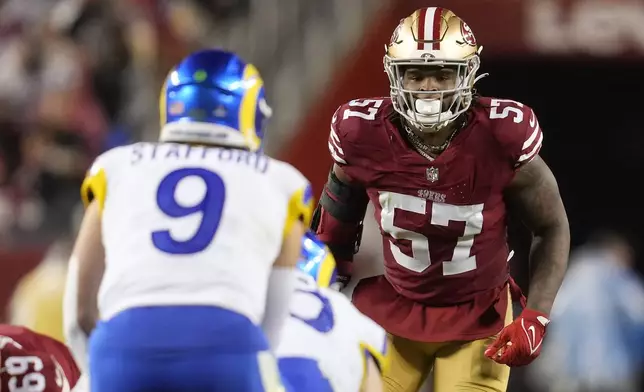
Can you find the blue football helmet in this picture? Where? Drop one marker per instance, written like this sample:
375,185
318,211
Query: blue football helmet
317,260
214,97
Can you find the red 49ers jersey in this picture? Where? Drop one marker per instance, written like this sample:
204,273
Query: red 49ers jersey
30,361
443,221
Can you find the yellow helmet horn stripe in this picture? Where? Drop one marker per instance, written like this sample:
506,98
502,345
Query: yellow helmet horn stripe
248,107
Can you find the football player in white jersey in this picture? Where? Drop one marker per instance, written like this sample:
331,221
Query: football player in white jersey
327,333
185,261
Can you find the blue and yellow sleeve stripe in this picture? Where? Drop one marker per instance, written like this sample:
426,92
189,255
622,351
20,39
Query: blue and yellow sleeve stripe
300,208
94,187
379,355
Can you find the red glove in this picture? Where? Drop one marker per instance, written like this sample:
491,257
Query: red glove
519,343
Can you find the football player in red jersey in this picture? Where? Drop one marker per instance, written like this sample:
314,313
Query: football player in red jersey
442,166
31,362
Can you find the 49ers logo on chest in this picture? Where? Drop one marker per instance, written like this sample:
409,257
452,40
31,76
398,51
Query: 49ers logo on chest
468,35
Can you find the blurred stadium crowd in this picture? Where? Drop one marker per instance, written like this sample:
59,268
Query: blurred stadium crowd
78,77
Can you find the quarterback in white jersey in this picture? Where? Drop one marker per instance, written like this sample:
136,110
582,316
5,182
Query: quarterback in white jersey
327,331
187,252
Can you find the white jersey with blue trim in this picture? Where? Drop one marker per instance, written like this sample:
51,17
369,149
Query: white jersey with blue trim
325,327
192,225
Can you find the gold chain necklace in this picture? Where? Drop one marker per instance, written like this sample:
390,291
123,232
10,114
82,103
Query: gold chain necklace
425,149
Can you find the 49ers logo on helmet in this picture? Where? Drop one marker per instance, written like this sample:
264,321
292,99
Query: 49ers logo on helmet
468,35
394,36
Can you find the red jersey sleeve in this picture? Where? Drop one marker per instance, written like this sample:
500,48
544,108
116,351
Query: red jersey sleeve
336,143
517,130
29,359
354,131
353,144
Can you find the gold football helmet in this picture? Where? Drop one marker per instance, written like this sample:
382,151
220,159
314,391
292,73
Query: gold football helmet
432,37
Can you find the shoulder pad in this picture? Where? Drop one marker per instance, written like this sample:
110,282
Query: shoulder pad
374,341
300,195
26,354
94,185
371,336
516,128
350,123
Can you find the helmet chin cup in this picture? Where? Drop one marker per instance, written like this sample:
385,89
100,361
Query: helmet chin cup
425,127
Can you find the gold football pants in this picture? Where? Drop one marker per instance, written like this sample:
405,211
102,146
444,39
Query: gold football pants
457,366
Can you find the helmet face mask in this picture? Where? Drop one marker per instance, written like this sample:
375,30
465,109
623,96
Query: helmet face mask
433,43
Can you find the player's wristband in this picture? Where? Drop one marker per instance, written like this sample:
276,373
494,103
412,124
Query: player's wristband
531,314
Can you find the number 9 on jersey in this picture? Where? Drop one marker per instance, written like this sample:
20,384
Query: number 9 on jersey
210,208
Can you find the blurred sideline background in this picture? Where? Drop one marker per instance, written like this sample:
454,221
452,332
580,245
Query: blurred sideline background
78,77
